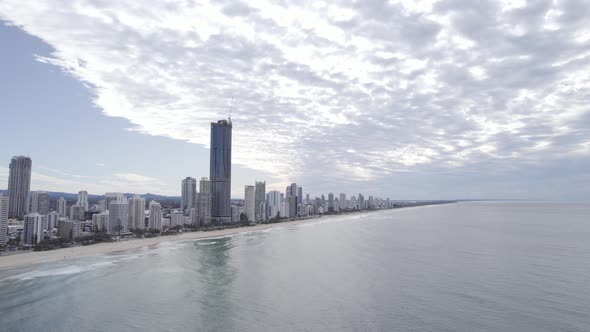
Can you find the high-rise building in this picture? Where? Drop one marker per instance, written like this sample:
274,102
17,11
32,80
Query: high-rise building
361,202
51,219
83,199
64,229
3,219
112,197
100,221
250,203
274,202
299,195
155,215
204,202
62,207
331,202
343,204
284,211
193,217
220,171
235,213
136,212
77,212
34,227
19,186
188,194
176,218
76,229
260,194
118,217
40,202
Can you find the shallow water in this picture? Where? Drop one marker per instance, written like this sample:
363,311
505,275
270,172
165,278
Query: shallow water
458,267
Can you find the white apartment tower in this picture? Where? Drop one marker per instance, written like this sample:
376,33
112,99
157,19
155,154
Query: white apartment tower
155,215
249,203
118,217
274,203
188,194
137,212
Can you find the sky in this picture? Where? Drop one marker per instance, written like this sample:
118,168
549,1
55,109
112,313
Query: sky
402,99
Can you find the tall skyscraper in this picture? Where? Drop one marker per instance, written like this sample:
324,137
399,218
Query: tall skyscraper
62,207
19,186
155,215
220,171
136,212
118,217
83,199
343,204
331,202
260,195
188,194
204,202
3,219
299,195
274,202
361,202
40,202
291,198
250,203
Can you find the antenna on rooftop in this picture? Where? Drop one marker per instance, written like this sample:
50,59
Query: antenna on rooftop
231,107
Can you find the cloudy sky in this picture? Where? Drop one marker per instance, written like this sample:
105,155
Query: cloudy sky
407,99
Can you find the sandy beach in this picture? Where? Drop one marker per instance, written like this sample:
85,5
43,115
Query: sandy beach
33,257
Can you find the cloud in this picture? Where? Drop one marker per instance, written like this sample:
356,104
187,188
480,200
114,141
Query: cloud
407,85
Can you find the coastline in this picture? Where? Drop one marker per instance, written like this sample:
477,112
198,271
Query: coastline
36,257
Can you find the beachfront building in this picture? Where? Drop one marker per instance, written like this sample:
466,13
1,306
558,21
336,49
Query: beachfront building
204,202
274,203
250,203
220,171
34,227
260,195
118,217
19,186
155,215
176,218
136,212
188,194
3,219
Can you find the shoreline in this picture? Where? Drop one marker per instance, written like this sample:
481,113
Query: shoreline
35,257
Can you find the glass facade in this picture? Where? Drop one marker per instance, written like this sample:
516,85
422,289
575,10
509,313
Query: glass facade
220,172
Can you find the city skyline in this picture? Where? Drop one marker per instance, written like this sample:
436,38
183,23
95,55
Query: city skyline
322,96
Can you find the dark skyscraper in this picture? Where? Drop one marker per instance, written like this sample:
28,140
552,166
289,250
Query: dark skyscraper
220,171
19,185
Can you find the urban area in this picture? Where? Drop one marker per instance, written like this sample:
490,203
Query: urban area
39,220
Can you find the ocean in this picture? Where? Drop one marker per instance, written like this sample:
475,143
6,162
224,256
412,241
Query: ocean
470,266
